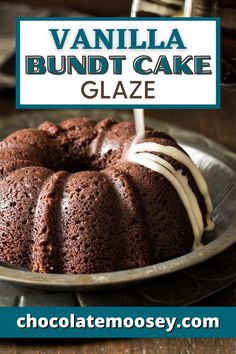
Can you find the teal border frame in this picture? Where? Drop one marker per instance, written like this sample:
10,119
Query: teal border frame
122,106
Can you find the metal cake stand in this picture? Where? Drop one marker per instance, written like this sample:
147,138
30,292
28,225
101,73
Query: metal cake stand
182,281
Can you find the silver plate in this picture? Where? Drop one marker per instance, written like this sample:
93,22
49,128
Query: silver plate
217,164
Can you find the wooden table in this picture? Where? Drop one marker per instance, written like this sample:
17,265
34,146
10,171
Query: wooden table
219,125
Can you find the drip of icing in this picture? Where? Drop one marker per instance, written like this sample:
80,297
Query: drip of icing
149,162
142,154
183,181
181,157
139,123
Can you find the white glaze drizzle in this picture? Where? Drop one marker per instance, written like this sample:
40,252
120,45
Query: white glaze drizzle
184,159
139,123
142,153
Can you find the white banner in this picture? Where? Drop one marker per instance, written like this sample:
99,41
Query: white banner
129,62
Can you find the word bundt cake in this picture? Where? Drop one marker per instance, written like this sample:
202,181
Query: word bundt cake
85,197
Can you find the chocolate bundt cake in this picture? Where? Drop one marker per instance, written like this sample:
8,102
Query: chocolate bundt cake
85,197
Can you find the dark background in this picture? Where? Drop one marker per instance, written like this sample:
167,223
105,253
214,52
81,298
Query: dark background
94,7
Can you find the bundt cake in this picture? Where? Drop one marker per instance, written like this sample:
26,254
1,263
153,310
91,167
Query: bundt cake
85,197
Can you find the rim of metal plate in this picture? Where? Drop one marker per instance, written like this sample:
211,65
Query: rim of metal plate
128,277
